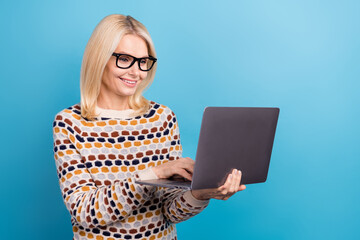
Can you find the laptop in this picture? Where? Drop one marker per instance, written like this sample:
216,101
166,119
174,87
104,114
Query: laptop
230,137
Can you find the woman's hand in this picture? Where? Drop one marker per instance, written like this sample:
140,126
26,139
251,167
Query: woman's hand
230,187
183,167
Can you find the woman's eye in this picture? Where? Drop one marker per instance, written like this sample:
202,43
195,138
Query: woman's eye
143,61
124,59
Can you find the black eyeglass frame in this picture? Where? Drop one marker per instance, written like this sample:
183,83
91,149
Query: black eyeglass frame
117,55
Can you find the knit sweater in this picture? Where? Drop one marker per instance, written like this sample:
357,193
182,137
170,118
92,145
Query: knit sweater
98,162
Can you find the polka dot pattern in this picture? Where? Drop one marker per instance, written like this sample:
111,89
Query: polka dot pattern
97,164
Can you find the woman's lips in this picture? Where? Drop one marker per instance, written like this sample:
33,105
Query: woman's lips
128,82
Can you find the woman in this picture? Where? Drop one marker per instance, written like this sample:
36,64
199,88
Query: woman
115,135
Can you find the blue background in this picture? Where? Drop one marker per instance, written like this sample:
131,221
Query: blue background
300,56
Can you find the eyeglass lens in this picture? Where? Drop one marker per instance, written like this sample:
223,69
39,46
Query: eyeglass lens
124,61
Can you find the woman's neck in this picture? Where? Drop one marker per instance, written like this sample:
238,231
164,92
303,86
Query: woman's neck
118,103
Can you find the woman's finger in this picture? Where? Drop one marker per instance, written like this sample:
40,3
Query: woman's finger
186,160
189,160
224,189
188,167
238,180
242,187
234,181
182,172
185,163
169,168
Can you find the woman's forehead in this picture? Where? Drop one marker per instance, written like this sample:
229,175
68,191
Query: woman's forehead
133,45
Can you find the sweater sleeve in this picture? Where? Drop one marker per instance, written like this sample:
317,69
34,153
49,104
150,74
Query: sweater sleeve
91,205
179,205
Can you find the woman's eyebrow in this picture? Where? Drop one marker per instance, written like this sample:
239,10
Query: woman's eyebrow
122,52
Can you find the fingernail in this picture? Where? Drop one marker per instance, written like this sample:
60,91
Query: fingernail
239,172
230,177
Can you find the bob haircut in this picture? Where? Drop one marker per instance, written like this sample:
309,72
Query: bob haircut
102,43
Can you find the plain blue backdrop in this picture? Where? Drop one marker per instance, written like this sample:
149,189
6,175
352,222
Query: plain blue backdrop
300,56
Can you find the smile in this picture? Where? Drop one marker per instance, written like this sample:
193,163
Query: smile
129,83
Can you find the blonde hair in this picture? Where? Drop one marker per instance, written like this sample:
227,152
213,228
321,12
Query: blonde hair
102,43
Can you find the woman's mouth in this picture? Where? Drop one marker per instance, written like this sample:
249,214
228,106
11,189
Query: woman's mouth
129,83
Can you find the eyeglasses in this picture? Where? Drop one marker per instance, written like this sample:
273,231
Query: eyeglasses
125,61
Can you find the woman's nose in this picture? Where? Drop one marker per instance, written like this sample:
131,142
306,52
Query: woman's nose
134,69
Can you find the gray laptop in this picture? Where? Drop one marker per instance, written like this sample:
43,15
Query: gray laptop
230,137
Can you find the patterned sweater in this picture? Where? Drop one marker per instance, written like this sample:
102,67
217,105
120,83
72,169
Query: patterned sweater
97,164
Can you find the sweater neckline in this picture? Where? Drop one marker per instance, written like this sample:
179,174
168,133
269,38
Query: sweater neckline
111,113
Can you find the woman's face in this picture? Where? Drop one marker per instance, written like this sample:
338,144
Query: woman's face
120,83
